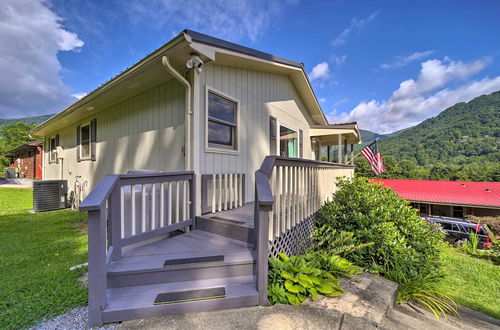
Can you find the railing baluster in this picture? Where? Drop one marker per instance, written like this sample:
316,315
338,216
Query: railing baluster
213,192
219,206
169,204
122,211
177,206
153,207
132,197
162,204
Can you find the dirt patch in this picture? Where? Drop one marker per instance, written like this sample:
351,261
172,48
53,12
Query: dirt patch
80,225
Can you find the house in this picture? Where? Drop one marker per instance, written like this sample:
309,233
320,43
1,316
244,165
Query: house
27,160
202,159
457,199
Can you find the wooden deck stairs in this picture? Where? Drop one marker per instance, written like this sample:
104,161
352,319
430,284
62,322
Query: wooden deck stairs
217,256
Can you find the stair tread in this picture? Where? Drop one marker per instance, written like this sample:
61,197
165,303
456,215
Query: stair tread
193,241
156,262
143,296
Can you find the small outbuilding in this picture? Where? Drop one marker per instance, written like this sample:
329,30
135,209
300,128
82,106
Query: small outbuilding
457,199
26,160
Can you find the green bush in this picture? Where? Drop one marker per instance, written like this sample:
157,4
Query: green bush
375,229
294,279
386,226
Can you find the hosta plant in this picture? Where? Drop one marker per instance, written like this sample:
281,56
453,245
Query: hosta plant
294,279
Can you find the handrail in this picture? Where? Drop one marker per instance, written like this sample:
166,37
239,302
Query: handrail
98,196
264,204
271,161
106,219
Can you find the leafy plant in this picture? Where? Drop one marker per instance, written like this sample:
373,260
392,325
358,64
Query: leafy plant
391,240
472,242
421,288
294,279
337,242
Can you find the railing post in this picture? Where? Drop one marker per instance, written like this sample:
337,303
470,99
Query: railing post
97,265
192,198
114,221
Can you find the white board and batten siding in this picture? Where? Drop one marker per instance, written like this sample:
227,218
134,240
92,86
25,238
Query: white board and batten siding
145,131
260,95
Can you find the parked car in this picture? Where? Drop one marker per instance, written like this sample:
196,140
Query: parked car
459,229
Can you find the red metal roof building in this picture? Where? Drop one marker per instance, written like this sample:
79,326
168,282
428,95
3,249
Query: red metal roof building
449,198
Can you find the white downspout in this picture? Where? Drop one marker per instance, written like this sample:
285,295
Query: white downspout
189,111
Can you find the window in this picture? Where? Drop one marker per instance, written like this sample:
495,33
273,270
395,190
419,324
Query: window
85,141
288,142
52,149
458,212
423,209
222,115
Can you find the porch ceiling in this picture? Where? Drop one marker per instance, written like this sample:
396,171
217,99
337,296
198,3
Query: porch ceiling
328,135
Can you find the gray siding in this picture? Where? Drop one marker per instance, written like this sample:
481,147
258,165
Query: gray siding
261,95
145,131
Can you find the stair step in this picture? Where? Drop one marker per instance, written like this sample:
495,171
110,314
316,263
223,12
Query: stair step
226,227
193,261
129,303
190,295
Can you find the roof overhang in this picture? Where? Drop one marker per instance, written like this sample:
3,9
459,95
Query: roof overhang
329,134
150,72
23,148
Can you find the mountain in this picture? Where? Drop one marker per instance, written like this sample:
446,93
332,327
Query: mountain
27,120
369,136
463,133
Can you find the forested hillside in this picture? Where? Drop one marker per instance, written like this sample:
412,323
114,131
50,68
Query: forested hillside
461,143
27,120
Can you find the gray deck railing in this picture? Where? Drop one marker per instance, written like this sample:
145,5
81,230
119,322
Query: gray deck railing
288,193
128,209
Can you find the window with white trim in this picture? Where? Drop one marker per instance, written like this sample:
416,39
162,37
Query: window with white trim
222,122
52,149
85,141
289,142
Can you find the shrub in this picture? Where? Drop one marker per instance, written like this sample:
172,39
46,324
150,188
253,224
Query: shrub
374,228
294,279
387,227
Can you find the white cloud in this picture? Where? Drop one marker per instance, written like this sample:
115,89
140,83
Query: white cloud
402,61
31,35
320,71
429,94
79,95
322,100
356,24
234,20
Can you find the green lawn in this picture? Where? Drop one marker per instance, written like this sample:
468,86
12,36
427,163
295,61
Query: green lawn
472,282
36,252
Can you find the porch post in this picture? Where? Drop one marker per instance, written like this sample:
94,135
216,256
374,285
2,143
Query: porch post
339,148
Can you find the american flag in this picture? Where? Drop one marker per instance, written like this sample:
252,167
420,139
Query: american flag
373,156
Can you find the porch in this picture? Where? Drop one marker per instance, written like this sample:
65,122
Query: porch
151,255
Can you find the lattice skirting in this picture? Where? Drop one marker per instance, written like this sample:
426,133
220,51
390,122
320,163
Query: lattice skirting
293,241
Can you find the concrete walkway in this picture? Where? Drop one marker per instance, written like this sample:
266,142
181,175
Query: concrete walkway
16,183
367,303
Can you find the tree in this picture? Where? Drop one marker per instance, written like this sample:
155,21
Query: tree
11,136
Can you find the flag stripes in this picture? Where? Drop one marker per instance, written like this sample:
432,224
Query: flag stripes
373,156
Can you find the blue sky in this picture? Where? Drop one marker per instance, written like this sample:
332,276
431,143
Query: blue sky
386,64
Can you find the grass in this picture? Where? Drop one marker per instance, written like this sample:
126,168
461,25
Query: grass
36,252
471,282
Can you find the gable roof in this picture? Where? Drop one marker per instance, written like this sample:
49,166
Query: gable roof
447,192
181,47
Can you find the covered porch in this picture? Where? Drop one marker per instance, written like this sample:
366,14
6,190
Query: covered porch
335,142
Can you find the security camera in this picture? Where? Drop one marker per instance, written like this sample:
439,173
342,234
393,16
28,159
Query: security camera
195,62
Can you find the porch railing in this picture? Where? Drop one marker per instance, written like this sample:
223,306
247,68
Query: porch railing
222,191
128,209
288,193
